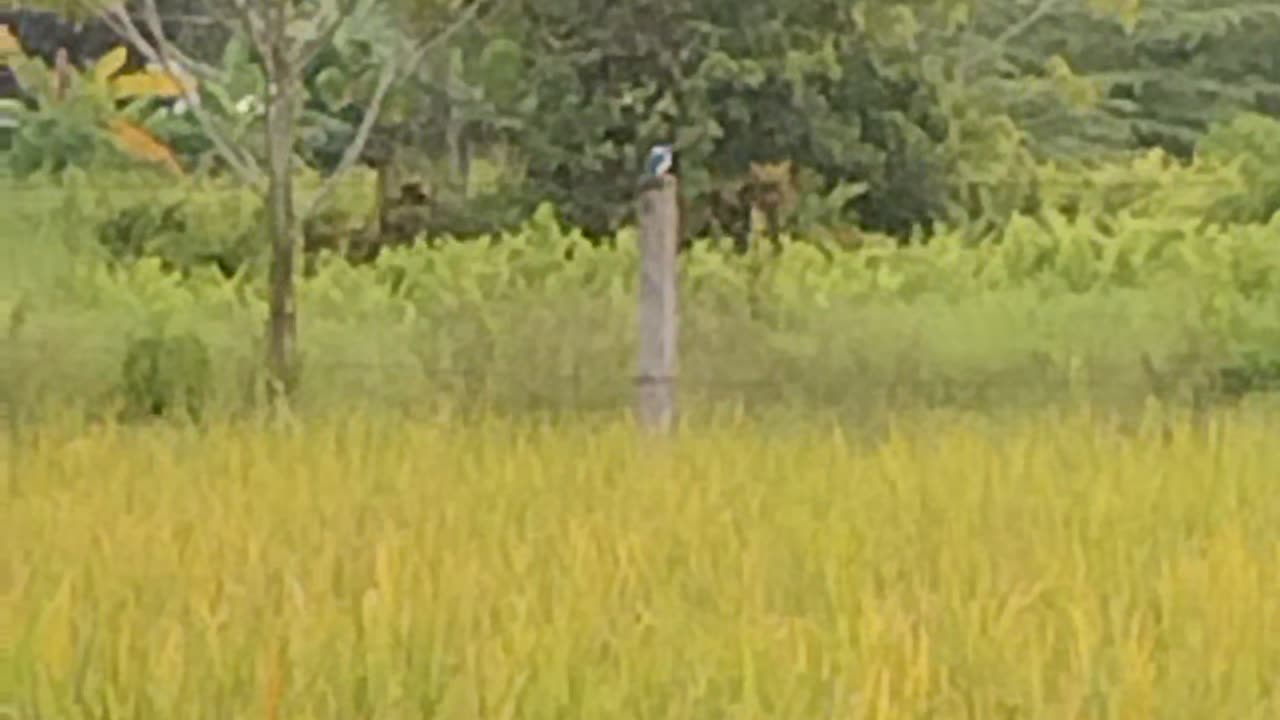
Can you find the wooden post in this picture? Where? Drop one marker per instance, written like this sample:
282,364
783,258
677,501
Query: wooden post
659,240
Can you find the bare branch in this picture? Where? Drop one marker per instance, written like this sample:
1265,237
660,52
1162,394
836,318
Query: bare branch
389,75
465,17
353,150
162,52
242,163
220,15
117,18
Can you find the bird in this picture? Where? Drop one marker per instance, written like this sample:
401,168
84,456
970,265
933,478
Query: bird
661,158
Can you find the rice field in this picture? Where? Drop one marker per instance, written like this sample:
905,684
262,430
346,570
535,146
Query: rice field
1058,567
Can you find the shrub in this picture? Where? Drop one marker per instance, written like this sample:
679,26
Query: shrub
1250,142
166,374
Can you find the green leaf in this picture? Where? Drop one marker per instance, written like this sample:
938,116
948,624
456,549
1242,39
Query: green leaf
333,85
500,70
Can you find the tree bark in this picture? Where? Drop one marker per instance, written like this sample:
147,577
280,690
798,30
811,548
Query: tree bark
282,227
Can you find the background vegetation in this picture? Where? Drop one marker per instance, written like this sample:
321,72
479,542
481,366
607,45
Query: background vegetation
1026,256
1127,288
986,204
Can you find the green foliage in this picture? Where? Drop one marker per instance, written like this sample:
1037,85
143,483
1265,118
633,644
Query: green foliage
235,100
77,119
1084,78
894,115
582,91
186,233
131,234
54,137
163,375
1252,142
1151,185
216,224
1232,180
344,75
1066,302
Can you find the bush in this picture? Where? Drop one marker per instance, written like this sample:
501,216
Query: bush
543,317
163,375
187,229
1251,143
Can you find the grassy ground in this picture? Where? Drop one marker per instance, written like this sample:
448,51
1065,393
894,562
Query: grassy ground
1052,568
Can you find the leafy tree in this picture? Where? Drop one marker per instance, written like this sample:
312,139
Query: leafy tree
1127,73
284,38
584,87
1025,82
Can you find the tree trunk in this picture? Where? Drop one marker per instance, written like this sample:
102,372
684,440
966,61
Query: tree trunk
282,217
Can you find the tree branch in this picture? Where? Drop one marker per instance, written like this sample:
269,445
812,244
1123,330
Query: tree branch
161,53
353,150
117,18
308,51
387,78
242,163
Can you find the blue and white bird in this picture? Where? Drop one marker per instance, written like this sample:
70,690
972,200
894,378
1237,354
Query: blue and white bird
661,158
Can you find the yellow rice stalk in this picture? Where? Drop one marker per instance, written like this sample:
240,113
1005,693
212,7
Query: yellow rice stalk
1047,569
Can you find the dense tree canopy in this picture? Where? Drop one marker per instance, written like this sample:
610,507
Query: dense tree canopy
731,84
888,114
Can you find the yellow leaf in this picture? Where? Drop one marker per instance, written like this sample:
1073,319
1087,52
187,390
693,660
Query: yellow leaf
148,83
9,44
143,145
110,64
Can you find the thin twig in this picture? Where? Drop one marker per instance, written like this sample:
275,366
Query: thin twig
308,51
118,20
